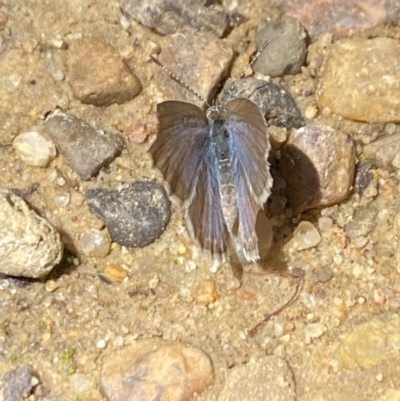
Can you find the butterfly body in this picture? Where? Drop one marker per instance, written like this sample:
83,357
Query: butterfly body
216,164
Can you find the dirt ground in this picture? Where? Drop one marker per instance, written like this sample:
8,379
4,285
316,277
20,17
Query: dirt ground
340,336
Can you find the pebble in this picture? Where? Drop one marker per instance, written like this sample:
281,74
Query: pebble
313,331
34,149
149,370
29,245
318,165
206,292
306,236
113,274
94,243
51,285
325,223
192,57
269,378
384,152
80,383
17,383
98,75
287,47
273,100
357,70
136,215
341,18
167,19
87,150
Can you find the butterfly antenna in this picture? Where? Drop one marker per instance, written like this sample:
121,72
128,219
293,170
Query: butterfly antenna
177,79
254,59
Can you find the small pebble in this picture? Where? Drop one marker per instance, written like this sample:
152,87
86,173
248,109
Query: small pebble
190,266
153,283
80,383
34,149
101,344
306,235
325,223
51,285
95,243
359,242
310,112
313,330
206,292
114,274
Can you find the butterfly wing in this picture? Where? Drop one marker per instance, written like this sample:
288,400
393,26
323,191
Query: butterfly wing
253,181
182,153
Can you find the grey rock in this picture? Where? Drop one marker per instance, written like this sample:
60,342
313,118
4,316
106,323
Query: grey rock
136,215
318,165
200,60
167,16
152,370
385,152
97,73
17,383
363,221
86,149
275,102
270,378
29,245
286,51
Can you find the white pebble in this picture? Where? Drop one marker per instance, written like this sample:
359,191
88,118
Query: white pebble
58,75
310,112
34,149
62,200
314,330
190,266
94,243
306,235
325,223
79,383
101,344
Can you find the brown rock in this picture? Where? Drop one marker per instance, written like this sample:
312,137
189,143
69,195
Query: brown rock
361,80
318,166
267,379
201,61
154,370
98,75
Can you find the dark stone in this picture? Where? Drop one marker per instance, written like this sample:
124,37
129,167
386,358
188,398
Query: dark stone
167,16
17,383
135,216
286,51
87,150
275,103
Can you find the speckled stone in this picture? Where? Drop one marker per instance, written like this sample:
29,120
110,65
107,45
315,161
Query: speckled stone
136,215
318,165
167,19
269,378
17,384
200,60
286,51
87,150
153,370
384,152
97,73
29,245
361,80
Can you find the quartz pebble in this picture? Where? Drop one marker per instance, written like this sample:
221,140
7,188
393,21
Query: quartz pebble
306,235
95,243
34,149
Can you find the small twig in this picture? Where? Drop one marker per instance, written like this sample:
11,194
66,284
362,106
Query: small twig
254,329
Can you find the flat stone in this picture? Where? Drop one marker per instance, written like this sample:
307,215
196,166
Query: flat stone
29,245
270,378
167,19
136,215
87,150
287,47
341,18
361,80
384,152
200,60
276,104
153,370
97,73
371,343
318,165
17,383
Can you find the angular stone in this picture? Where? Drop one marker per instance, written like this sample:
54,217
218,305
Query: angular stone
361,80
200,60
17,384
372,342
87,150
287,47
29,245
153,370
166,18
276,104
270,378
384,152
97,73
318,166
136,215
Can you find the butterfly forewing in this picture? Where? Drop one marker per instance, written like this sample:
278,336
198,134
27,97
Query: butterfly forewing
178,150
250,145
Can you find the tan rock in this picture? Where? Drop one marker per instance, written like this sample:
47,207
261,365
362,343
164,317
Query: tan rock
361,80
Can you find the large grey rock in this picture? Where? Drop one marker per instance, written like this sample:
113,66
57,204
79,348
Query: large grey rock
29,245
